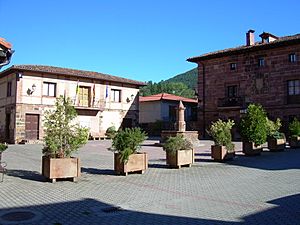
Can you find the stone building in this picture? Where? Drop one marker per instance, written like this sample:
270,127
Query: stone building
101,100
265,72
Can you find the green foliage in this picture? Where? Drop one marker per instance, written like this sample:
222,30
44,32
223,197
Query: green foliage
189,78
62,135
127,142
111,132
3,147
220,131
176,143
179,89
294,128
254,125
273,129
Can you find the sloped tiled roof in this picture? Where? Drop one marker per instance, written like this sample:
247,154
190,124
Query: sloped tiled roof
281,41
71,72
166,96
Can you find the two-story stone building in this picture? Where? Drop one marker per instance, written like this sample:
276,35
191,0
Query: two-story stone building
101,100
265,72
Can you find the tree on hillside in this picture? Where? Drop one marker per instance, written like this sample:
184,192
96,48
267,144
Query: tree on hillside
175,88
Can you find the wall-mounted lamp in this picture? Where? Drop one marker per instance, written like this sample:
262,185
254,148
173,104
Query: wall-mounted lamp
30,91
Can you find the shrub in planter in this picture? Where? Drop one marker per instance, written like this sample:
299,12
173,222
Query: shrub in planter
62,138
276,139
223,148
126,145
254,130
294,128
111,132
3,147
179,151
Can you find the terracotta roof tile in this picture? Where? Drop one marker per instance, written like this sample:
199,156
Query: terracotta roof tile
258,45
72,72
166,96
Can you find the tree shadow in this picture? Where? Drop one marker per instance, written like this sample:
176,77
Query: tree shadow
97,171
156,165
27,175
288,159
92,211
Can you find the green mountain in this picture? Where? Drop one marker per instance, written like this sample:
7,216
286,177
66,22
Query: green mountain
183,84
189,78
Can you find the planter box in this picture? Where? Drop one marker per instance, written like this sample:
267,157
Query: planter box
181,158
276,145
136,163
219,153
294,142
54,168
250,150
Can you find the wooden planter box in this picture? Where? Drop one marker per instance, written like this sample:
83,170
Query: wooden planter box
55,168
250,150
294,142
181,158
276,145
136,163
219,153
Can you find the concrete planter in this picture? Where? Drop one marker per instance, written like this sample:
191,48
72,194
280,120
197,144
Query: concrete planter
250,149
55,168
180,158
295,142
219,153
136,163
276,145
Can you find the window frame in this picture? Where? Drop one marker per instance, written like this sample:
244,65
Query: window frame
294,86
231,91
261,62
233,66
113,93
48,84
9,89
292,58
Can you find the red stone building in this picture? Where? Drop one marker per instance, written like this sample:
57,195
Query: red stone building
265,72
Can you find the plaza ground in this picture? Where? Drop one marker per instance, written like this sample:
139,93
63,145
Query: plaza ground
248,190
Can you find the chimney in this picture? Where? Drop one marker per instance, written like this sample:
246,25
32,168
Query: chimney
250,38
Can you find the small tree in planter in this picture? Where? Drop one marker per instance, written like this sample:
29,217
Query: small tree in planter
294,128
62,138
179,151
253,129
126,144
111,132
223,147
3,147
276,140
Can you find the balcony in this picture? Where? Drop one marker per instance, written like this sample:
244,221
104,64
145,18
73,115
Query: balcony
233,102
98,105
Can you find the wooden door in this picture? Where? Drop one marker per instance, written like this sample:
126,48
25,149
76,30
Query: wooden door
84,96
32,126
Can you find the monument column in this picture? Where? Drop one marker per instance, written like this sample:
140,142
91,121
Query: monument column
180,120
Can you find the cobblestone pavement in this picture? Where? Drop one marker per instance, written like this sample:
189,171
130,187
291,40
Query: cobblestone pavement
248,190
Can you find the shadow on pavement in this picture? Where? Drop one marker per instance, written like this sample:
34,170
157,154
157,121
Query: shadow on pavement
91,211
97,171
27,175
288,159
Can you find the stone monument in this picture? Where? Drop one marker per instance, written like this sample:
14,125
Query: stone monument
181,128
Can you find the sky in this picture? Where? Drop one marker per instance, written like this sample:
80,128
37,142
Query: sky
137,39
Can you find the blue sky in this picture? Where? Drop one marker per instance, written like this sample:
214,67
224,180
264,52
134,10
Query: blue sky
138,39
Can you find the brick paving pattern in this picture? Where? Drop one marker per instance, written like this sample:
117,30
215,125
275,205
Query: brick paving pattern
248,190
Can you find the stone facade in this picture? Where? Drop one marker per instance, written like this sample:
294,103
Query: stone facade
230,79
101,101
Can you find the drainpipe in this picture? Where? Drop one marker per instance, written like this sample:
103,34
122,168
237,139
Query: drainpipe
203,97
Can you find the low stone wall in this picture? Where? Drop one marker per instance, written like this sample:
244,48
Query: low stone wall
192,136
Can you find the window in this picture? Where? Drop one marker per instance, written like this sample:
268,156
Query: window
232,91
294,87
49,89
293,92
83,96
261,62
9,85
292,57
232,66
116,95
